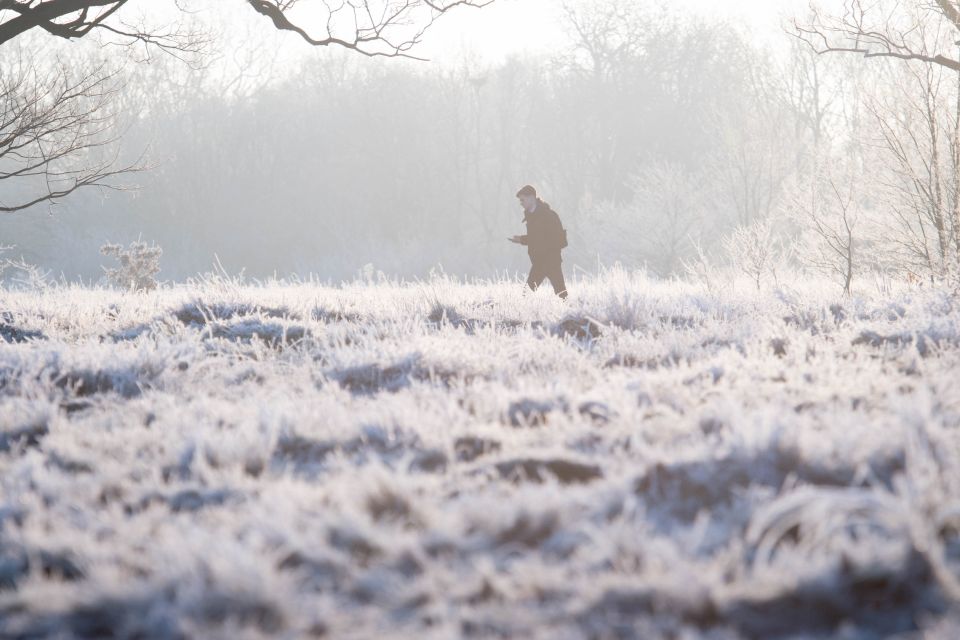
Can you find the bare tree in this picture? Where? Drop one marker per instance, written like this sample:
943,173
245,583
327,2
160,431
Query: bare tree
918,132
57,133
763,140
370,27
814,89
758,155
756,250
829,212
607,34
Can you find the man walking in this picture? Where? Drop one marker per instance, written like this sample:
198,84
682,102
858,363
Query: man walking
544,239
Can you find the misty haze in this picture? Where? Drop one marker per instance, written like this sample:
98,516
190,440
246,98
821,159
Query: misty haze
479,319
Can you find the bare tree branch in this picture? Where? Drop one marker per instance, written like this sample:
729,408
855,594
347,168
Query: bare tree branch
29,14
391,31
370,27
921,30
57,134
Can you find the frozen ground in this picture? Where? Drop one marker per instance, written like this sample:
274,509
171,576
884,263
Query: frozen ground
440,460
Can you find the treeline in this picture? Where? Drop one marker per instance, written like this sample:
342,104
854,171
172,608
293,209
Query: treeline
663,141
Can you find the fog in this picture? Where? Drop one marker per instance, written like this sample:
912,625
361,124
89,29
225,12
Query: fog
272,365
656,132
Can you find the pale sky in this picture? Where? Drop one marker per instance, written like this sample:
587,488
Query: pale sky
514,26
486,35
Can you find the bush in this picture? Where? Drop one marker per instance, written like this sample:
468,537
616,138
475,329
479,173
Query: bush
139,265
26,276
756,250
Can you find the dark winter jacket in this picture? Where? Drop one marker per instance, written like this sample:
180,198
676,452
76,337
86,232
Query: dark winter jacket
545,234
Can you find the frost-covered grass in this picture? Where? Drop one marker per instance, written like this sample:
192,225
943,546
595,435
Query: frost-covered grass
440,460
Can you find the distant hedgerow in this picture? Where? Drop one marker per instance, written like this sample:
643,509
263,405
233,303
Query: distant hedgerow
139,265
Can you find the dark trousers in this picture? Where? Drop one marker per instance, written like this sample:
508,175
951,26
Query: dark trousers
542,270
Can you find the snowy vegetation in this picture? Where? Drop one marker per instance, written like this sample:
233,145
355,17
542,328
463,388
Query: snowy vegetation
139,265
442,459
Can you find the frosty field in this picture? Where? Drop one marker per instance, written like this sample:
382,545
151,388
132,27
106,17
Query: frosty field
439,460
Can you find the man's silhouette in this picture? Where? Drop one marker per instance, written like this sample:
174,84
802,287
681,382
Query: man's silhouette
544,239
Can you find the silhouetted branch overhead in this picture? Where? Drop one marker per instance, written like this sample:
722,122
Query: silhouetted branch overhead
63,18
370,27
71,19
921,30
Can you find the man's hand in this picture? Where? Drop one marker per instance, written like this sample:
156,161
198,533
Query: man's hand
516,239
